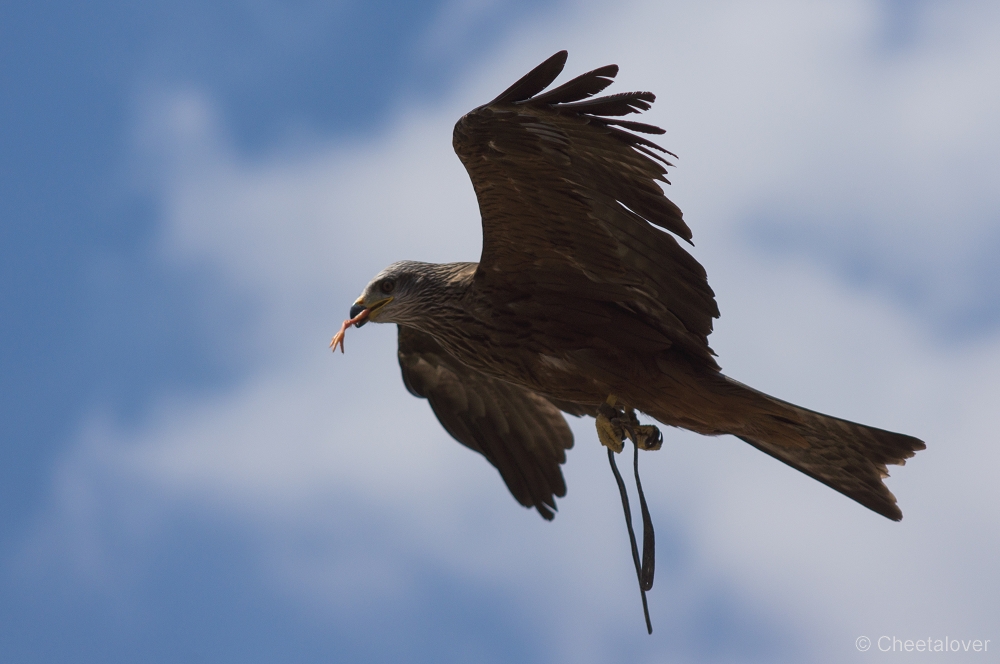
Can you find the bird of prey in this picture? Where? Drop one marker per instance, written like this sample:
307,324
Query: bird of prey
584,302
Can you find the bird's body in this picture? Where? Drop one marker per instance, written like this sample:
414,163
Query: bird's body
580,296
544,346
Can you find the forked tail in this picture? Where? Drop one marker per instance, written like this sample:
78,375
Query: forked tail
845,456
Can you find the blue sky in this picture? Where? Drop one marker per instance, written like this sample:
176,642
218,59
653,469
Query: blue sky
72,77
90,318
193,193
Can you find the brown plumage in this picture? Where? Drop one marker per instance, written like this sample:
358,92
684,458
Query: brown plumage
579,295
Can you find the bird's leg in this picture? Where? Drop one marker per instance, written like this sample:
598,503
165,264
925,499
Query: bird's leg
610,425
615,423
645,436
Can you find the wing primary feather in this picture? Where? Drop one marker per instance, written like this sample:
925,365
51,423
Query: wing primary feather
534,81
653,155
623,103
632,139
635,126
581,87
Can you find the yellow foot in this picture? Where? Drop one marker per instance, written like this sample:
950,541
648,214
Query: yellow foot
646,436
610,433
614,423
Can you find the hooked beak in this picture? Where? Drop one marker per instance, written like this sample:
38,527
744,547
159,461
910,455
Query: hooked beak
360,307
359,316
355,310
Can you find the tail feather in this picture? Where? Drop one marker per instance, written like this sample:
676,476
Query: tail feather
848,457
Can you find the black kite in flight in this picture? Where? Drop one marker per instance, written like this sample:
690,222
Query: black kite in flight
581,303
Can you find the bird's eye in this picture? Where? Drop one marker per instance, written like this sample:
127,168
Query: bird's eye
387,286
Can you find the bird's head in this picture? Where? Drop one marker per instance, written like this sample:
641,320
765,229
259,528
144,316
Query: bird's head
388,298
409,293
391,297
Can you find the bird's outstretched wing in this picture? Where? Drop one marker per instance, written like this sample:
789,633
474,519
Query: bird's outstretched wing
519,432
569,198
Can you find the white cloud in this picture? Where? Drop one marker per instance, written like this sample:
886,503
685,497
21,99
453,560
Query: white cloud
794,107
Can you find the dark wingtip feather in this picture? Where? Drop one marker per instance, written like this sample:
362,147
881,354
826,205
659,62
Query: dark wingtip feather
622,103
581,87
534,81
636,126
573,97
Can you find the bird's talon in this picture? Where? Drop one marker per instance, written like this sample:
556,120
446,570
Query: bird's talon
648,437
614,424
610,433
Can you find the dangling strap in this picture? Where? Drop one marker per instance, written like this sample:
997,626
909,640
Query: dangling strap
648,538
643,571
